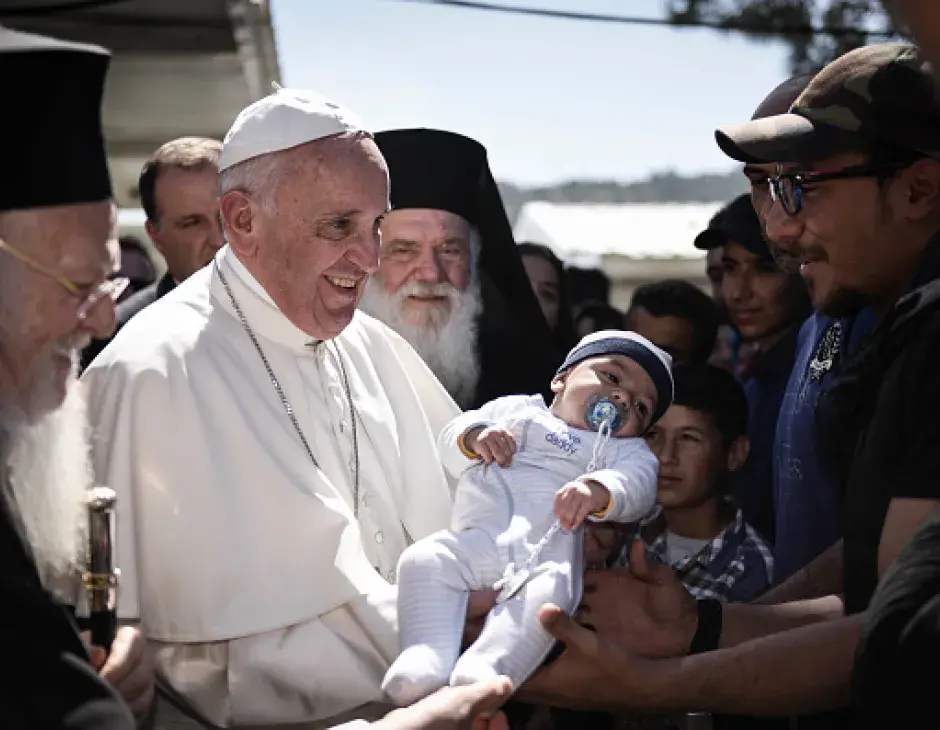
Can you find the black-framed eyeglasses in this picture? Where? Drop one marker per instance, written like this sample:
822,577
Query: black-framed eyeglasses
787,188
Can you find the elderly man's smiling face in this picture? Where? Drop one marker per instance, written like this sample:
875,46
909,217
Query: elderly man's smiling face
53,268
310,233
425,260
54,259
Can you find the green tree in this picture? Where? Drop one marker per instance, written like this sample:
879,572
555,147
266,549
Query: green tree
848,23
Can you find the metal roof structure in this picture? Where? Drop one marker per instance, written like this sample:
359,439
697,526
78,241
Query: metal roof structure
179,67
591,235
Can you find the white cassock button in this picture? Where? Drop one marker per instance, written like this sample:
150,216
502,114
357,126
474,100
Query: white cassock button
364,499
342,426
391,576
379,537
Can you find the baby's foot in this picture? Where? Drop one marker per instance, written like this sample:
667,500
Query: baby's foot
416,673
472,669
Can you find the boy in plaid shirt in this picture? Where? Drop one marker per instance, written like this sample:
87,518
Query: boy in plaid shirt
696,528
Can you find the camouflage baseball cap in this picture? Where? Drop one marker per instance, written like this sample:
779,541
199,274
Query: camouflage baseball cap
876,95
782,97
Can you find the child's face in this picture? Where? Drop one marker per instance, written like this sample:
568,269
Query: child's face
612,376
692,457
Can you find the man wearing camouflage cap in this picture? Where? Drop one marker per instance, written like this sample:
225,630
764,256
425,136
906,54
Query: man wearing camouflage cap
902,629
856,204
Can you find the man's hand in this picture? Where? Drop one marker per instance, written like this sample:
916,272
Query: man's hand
576,500
643,607
128,668
592,673
478,608
474,706
491,444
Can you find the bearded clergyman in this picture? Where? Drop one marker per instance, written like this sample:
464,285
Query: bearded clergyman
56,223
450,278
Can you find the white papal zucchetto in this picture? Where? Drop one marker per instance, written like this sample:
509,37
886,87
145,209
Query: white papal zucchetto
282,120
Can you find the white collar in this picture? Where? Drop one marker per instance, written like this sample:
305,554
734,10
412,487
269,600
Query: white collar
263,315
241,271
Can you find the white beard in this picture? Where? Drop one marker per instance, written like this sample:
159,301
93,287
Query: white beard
448,345
50,472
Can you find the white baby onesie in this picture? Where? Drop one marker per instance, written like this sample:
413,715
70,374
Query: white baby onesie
500,514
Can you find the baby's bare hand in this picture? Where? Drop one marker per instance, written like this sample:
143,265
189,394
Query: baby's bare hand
492,444
576,500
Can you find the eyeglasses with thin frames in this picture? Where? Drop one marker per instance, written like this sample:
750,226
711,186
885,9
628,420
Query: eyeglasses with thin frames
86,302
787,188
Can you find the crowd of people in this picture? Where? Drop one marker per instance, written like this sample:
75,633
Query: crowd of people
365,444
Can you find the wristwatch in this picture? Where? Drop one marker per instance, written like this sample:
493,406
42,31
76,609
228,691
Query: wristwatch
708,634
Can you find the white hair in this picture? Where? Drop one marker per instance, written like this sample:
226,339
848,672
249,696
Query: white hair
50,472
447,342
44,445
254,176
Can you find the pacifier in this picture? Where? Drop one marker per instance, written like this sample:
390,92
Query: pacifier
601,409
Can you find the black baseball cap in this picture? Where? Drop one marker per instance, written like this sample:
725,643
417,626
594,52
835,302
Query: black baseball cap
736,222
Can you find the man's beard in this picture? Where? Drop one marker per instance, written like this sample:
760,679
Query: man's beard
842,301
50,470
447,342
845,302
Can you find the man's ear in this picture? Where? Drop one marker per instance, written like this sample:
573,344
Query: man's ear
558,382
920,191
738,452
239,221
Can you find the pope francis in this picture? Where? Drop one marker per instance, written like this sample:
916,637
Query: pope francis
273,449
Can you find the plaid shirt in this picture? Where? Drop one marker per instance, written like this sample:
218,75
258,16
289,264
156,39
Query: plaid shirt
736,566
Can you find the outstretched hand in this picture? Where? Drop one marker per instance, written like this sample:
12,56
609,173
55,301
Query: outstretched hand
473,706
592,673
644,607
634,618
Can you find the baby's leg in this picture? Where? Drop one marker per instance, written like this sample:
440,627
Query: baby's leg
513,643
434,578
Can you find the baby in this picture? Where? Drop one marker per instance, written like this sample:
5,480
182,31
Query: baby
513,528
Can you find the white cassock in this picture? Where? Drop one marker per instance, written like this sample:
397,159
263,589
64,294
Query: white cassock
267,601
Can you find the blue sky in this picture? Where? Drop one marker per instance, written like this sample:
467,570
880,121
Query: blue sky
552,100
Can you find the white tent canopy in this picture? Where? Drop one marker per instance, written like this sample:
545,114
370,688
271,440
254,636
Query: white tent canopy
583,234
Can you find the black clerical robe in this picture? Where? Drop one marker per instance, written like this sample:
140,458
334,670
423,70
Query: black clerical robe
48,682
433,169
514,357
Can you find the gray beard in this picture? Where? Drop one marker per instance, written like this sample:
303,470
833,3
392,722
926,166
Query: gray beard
49,467
448,347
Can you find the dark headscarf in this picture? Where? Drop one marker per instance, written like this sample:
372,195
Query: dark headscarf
53,147
441,170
